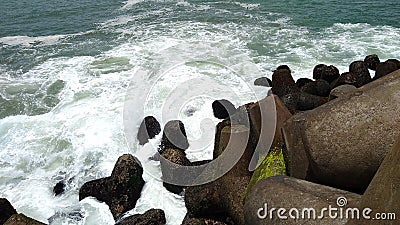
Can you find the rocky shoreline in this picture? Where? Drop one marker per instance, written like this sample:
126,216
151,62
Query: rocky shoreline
334,137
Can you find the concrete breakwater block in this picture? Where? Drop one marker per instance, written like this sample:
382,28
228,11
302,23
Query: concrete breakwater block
282,200
342,143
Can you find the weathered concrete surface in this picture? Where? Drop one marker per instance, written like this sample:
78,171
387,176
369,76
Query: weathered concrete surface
383,194
342,143
21,219
288,192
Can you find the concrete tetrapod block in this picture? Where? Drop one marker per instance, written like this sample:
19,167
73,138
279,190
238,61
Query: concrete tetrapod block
383,194
342,143
282,200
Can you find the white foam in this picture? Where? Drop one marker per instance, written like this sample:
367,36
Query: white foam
28,41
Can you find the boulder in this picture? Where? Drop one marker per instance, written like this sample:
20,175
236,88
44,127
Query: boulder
324,72
283,67
178,157
383,193
148,129
341,91
302,81
283,83
121,190
59,188
345,78
319,87
174,136
201,221
361,72
263,81
6,210
345,138
307,101
372,61
21,219
223,108
150,217
386,68
297,198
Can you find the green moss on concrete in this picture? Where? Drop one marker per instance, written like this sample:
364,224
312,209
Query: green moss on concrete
272,165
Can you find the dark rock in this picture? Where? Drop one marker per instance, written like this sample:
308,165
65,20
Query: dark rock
283,67
178,157
6,210
263,81
303,81
383,193
341,91
307,101
148,129
59,188
361,72
345,78
359,128
121,190
150,217
21,219
283,83
319,87
223,108
324,72
395,61
386,68
291,193
174,136
201,221
372,61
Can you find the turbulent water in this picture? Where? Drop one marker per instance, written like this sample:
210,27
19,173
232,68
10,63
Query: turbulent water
66,68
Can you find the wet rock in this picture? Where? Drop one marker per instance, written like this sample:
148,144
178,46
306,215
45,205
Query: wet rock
283,67
223,108
121,190
291,193
303,81
283,83
150,217
372,61
395,61
263,81
386,68
307,101
201,221
148,129
361,72
345,78
358,129
6,210
59,188
174,136
319,87
178,157
341,91
383,193
21,219
324,72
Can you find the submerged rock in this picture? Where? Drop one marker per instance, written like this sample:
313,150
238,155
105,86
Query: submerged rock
150,217
121,190
174,136
6,210
59,188
263,81
223,109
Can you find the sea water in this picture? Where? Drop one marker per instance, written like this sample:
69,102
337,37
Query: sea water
67,69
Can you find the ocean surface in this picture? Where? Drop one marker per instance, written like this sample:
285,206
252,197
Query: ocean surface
67,67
